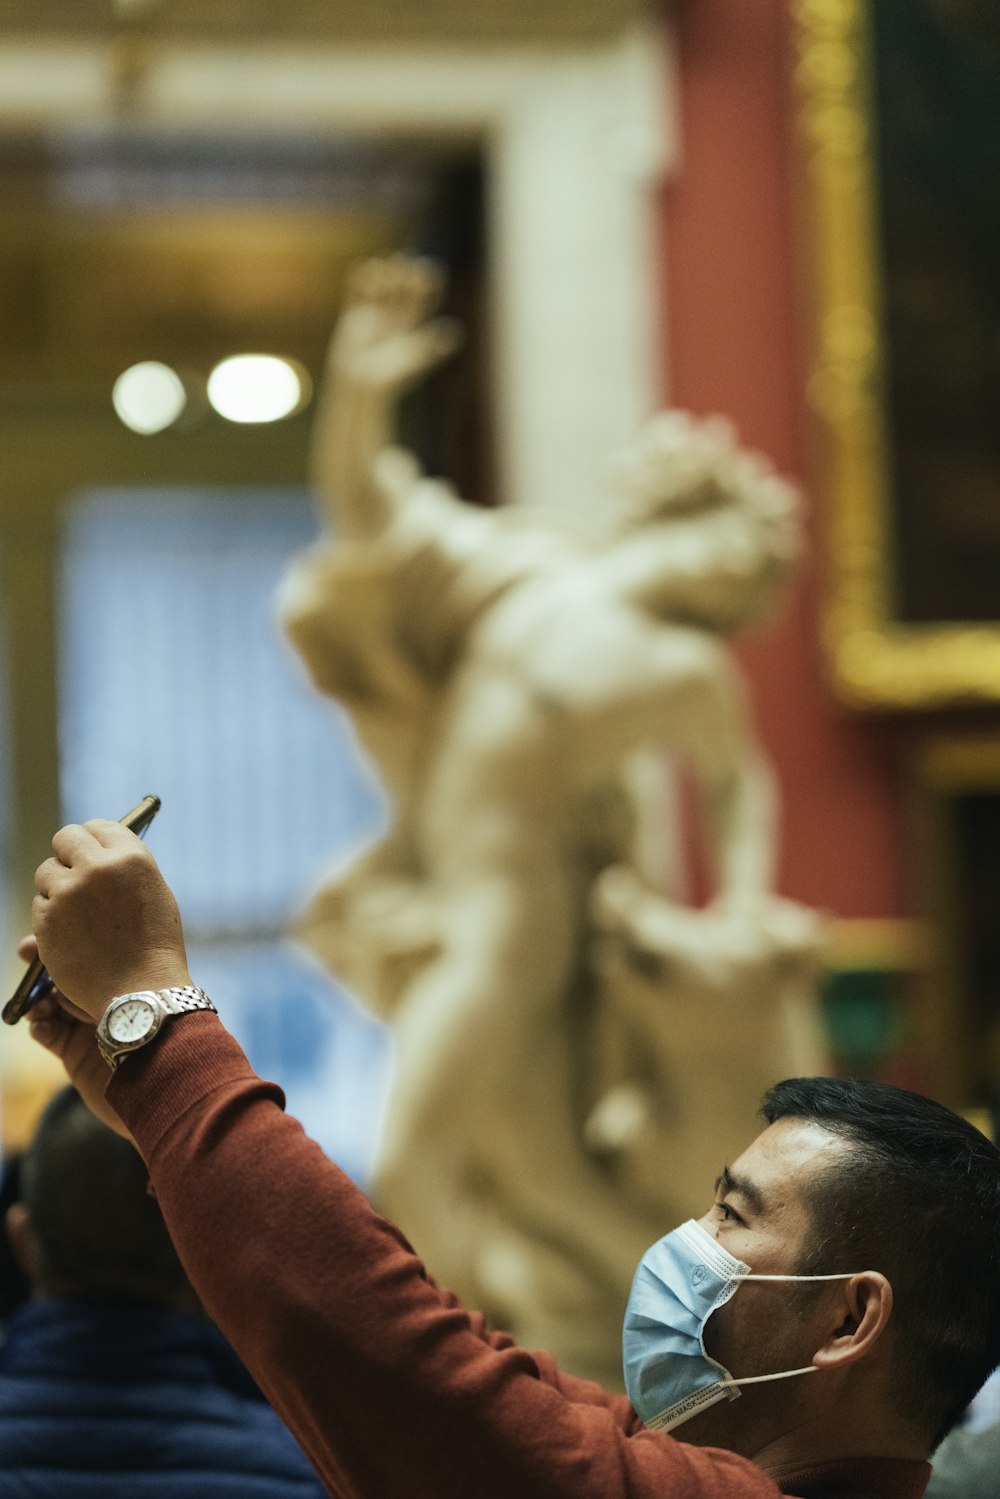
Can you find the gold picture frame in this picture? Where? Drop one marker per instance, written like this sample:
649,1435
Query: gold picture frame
879,659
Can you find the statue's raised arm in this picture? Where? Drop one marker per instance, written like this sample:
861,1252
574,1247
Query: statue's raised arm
386,340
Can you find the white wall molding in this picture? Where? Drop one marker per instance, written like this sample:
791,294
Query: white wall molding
579,141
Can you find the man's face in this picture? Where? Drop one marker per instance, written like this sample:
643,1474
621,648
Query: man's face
760,1215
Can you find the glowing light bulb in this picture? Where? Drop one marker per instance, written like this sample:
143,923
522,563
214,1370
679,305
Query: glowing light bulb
149,397
255,388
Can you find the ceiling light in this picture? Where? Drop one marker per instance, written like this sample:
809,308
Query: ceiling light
257,388
149,397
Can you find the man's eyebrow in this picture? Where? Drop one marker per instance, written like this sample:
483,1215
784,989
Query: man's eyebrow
737,1186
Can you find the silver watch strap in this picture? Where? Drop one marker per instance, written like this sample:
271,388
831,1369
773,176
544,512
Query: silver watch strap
189,997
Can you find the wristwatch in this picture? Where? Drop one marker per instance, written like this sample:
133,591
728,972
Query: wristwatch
132,1020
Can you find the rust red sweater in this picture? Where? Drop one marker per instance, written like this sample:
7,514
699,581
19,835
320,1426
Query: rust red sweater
393,1389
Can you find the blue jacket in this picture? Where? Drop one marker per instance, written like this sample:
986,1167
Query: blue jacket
119,1401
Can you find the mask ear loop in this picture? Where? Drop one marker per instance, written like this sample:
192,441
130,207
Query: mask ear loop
766,1378
841,1275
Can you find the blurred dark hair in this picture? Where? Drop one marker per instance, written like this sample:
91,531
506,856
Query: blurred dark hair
98,1230
917,1198
14,1284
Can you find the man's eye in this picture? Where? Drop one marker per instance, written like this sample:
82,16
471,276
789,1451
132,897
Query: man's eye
728,1214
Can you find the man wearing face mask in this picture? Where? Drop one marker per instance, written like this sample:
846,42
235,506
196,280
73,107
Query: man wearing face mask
815,1334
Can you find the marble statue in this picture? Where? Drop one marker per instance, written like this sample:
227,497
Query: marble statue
571,1043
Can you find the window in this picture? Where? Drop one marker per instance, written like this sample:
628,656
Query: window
174,680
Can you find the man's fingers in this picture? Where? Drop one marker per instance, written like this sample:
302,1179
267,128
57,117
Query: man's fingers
54,1002
56,1007
48,875
72,843
72,1011
53,1030
45,1008
77,842
45,1030
109,834
78,845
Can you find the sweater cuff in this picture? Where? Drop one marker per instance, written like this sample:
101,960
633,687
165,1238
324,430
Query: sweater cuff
193,1058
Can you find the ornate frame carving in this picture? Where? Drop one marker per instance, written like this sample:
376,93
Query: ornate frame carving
877,660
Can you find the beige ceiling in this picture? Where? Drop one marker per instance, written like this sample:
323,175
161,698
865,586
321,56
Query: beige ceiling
330,21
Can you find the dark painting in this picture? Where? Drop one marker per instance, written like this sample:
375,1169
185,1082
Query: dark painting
936,115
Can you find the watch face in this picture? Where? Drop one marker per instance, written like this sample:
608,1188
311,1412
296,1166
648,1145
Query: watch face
133,1020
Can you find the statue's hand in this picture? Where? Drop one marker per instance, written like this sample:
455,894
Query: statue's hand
386,337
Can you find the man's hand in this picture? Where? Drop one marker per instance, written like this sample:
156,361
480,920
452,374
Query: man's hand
105,919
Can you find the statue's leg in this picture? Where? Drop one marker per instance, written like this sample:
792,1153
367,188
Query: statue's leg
459,1033
481,1107
482,1097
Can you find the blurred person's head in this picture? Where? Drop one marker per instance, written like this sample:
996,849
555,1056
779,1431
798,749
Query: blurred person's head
85,1224
14,1285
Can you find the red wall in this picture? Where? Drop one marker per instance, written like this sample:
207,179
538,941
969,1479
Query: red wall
735,340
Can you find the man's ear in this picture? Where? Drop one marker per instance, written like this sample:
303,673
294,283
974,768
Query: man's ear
866,1305
17,1226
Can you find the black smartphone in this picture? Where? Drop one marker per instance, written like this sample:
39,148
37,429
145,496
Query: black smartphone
36,983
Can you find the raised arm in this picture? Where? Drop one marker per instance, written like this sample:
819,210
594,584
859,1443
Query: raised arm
385,340
390,1386
735,784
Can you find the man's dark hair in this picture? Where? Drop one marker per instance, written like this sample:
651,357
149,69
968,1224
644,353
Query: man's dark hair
97,1229
918,1198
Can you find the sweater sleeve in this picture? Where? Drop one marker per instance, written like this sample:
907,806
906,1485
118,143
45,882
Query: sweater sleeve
391,1387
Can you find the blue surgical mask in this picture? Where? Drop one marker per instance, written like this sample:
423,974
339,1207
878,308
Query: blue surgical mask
680,1282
